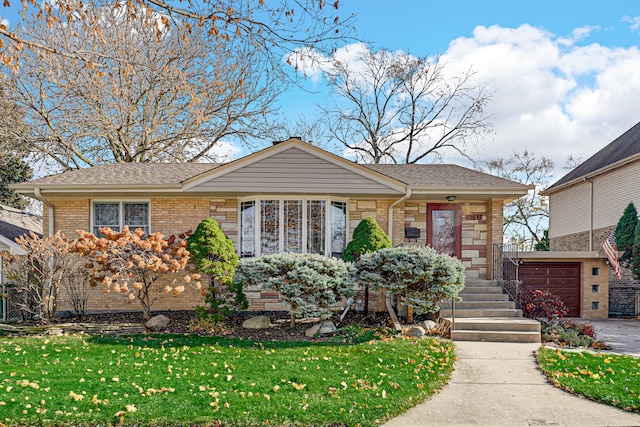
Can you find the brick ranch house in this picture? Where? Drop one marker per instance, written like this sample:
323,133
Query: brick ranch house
291,196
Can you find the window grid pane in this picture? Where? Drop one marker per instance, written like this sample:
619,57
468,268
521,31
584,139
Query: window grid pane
292,226
136,215
106,215
316,226
338,228
247,227
269,227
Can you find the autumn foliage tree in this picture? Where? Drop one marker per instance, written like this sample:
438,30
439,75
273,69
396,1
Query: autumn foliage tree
132,263
40,273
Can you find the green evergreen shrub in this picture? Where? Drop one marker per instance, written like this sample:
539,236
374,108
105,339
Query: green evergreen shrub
214,255
420,277
626,231
368,237
635,253
313,285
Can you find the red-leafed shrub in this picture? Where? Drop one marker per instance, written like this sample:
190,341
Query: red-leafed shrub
540,304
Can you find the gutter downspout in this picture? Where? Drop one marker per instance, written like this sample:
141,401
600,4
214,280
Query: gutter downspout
389,299
52,290
590,212
48,204
393,205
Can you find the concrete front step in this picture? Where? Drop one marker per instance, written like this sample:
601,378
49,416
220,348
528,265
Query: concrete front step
496,330
496,336
489,312
466,304
494,290
480,282
484,297
498,324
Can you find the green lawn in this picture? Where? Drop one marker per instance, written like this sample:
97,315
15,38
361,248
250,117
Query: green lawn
607,378
190,380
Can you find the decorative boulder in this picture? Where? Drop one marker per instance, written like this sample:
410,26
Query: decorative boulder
415,331
320,328
157,323
429,325
257,322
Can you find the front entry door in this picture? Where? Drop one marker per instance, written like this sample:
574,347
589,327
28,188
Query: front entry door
444,228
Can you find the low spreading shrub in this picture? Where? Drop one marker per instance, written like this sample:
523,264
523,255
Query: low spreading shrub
566,332
420,277
313,285
540,304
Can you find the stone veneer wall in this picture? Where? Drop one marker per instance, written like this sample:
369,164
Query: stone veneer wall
476,241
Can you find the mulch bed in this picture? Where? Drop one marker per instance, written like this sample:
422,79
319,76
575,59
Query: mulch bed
183,322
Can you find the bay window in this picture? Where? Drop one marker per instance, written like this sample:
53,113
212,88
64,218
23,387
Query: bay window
274,225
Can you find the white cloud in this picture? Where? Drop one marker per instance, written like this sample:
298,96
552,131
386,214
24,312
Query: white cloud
634,21
4,23
551,96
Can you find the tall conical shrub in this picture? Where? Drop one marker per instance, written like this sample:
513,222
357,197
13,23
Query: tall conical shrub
626,231
368,237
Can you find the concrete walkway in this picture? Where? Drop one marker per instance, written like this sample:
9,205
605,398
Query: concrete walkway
498,384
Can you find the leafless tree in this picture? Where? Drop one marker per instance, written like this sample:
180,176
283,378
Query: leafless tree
273,27
525,219
394,107
165,95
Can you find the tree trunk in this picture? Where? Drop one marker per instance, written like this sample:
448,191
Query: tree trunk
293,321
409,314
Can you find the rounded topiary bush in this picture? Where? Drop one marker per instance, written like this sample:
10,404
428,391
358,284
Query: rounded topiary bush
367,237
313,285
420,277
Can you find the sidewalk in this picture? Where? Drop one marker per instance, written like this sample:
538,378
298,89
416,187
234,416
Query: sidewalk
498,384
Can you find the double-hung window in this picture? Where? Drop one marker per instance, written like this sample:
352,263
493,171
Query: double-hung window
273,225
116,215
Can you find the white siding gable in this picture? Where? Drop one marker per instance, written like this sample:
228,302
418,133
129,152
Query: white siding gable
295,170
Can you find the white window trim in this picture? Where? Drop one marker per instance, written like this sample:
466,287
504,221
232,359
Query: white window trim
121,203
281,198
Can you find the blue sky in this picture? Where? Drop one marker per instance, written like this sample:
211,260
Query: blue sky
565,75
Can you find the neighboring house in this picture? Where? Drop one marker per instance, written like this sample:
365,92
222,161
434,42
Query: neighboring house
586,204
291,196
15,223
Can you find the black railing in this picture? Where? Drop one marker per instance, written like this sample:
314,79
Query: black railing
505,269
8,311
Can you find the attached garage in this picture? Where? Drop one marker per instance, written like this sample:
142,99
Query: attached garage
560,278
579,278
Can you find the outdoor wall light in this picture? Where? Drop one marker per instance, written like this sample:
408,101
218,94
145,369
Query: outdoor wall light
451,198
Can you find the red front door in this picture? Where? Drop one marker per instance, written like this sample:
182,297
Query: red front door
444,228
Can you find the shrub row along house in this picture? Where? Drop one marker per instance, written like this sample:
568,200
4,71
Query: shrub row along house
289,197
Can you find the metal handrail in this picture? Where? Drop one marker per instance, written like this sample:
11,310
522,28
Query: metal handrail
506,269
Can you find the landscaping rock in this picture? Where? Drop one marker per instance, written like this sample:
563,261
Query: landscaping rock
429,325
320,328
258,322
157,323
65,314
415,331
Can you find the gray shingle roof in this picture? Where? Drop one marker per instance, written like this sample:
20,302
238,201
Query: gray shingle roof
626,145
128,174
15,223
441,175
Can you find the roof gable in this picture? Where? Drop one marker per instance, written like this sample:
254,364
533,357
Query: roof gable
294,166
624,147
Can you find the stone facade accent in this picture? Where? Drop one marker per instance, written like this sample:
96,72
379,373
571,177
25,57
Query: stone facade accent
481,227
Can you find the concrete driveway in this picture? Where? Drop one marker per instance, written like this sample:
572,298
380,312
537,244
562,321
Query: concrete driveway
623,335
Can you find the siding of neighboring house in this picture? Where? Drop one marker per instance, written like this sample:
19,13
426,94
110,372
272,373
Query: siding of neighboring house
293,171
569,208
